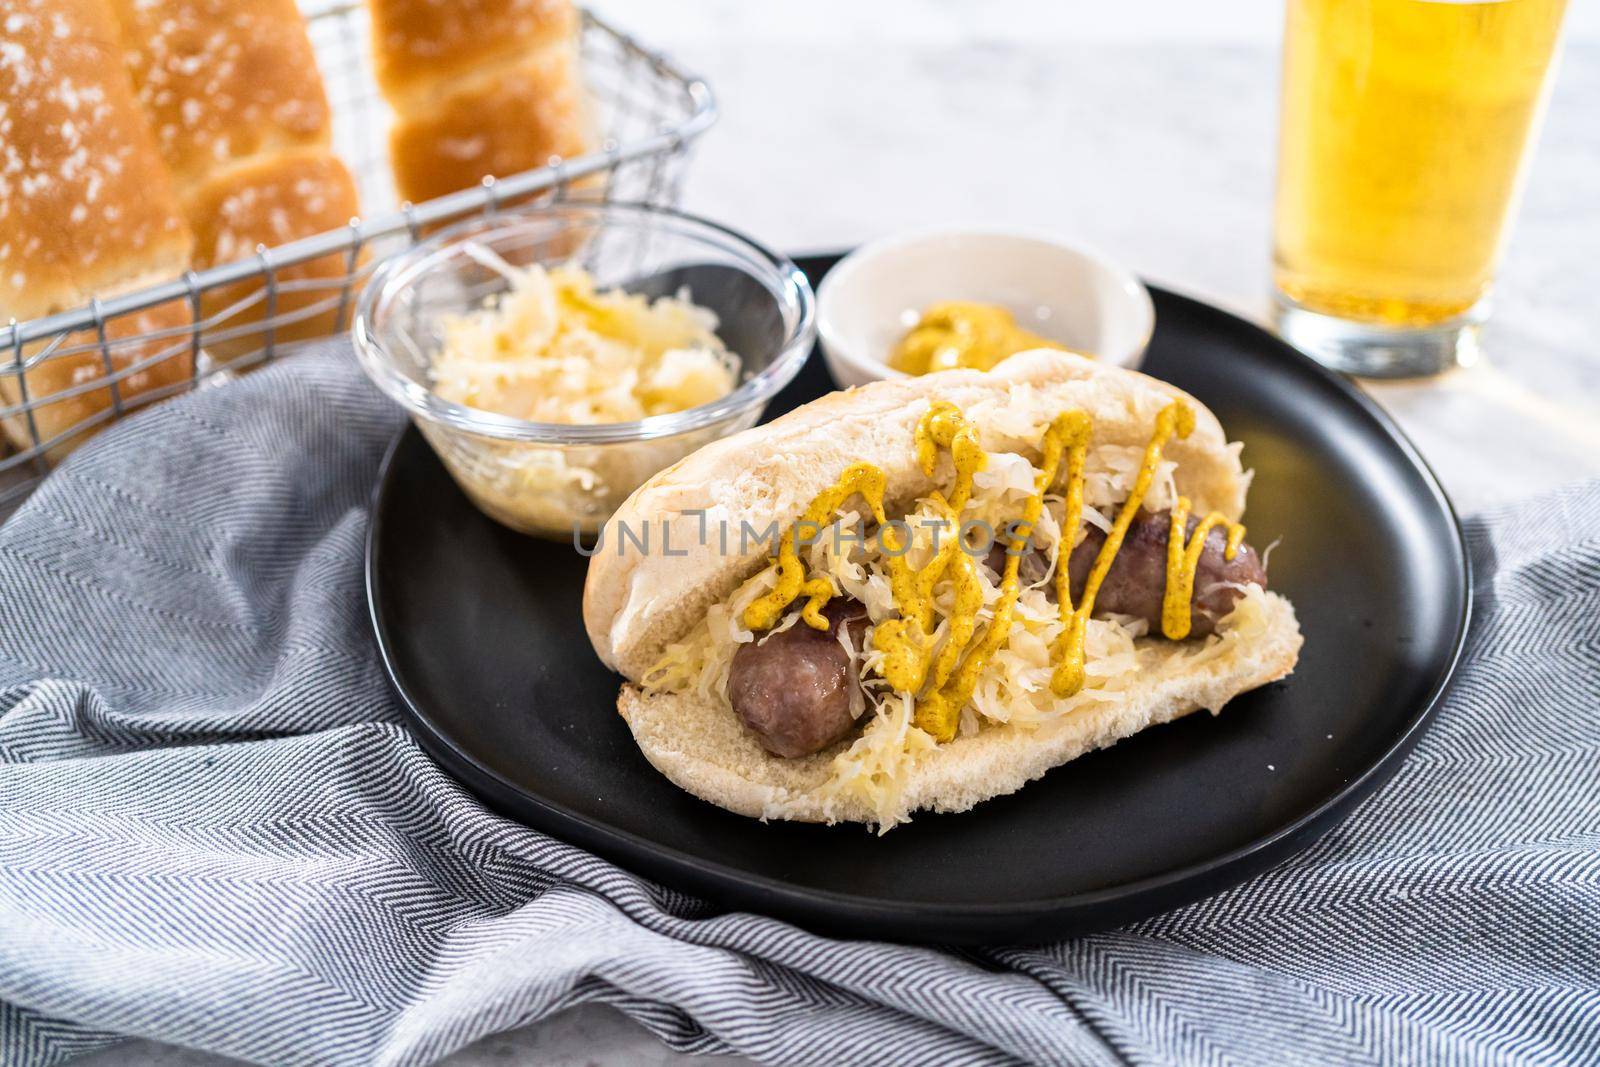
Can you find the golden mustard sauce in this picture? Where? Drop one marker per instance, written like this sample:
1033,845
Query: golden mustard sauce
1184,560
939,713
1177,418
765,611
907,641
943,426
959,333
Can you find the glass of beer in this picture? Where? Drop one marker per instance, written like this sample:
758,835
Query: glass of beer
1405,134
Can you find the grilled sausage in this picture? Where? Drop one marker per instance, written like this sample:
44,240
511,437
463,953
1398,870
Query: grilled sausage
793,689
1137,581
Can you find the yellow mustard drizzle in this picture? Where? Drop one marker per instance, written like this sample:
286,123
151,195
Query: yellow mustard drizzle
943,426
765,611
1184,560
907,641
1177,418
939,713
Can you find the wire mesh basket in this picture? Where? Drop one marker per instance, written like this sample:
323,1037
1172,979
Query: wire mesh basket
131,350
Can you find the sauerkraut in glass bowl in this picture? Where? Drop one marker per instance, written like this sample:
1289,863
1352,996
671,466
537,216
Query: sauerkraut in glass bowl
557,356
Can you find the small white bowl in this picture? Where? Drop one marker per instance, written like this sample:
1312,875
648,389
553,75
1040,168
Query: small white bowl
874,295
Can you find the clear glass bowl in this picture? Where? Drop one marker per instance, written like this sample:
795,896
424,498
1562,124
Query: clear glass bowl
552,479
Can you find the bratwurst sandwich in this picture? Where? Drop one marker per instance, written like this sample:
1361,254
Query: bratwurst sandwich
924,593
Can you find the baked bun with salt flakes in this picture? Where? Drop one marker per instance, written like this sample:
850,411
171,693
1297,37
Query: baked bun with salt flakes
876,605
479,88
232,92
87,209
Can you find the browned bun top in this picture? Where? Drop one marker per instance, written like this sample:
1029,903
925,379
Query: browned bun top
86,204
224,80
418,44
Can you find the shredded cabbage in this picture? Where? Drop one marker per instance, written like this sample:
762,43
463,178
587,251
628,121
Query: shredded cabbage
873,768
552,348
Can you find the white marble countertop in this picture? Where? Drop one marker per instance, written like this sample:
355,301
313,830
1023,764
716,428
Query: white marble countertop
1149,134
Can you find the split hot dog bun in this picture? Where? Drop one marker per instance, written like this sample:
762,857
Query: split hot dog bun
638,604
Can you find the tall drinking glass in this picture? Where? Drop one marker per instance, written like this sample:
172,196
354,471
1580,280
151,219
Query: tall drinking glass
1405,133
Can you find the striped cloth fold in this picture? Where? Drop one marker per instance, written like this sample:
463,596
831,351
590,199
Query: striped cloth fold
214,831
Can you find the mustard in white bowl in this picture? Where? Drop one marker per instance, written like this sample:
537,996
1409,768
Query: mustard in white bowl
1063,294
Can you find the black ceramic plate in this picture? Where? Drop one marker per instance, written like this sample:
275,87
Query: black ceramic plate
480,632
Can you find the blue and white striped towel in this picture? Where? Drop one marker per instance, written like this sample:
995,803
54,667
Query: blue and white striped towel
214,832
